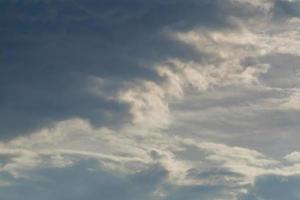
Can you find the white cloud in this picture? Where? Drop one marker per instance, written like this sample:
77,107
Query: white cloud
293,157
149,106
293,101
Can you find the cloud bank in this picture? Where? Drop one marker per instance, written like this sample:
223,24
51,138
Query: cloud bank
149,100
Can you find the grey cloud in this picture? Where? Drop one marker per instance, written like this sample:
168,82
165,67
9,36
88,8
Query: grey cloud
49,48
284,71
275,188
239,116
84,180
51,51
87,180
195,192
213,173
286,9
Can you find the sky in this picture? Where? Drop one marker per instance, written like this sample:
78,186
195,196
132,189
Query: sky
149,99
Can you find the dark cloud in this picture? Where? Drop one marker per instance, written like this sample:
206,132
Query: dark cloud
84,181
48,48
213,173
275,188
284,72
195,192
286,9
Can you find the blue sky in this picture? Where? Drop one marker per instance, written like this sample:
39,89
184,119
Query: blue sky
154,100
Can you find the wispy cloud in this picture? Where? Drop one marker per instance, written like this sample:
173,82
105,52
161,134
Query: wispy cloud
149,100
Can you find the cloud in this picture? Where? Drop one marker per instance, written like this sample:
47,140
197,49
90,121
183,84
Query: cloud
85,180
293,157
274,187
148,100
148,105
179,167
52,48
285,9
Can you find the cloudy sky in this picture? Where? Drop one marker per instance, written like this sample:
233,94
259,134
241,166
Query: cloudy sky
150,99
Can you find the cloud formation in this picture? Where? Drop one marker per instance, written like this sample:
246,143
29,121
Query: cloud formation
195,99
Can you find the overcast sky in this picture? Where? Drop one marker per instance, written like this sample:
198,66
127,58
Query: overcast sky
149,99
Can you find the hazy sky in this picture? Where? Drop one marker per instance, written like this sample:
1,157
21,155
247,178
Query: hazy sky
149,99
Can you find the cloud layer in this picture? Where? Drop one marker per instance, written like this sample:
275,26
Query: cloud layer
165,100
